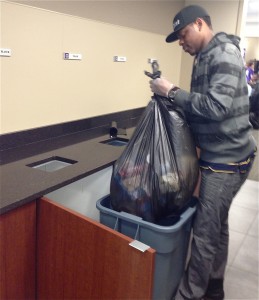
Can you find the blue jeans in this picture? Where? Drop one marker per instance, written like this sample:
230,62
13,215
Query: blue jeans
210,241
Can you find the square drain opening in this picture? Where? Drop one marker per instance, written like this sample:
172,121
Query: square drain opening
52,164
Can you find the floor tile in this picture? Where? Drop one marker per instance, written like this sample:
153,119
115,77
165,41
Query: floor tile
248,196
241,279
253,231
235,241
240,285
247,256
241,218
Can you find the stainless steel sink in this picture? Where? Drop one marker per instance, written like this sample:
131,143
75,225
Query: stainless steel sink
52,164
116,141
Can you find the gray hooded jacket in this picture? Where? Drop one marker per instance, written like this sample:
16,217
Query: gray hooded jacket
217,108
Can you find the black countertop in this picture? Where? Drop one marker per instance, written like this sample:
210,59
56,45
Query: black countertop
21,184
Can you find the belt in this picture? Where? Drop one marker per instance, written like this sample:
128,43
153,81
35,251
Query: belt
237,167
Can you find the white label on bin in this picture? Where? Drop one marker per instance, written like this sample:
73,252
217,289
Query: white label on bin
138,245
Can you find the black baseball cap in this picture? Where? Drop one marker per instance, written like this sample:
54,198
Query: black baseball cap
185,17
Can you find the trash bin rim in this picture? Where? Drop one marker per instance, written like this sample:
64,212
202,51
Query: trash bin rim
184,218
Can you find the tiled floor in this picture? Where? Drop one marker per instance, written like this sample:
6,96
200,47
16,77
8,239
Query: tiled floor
242,275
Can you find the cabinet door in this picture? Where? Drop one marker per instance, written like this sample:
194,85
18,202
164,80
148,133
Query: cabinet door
17,253
79,258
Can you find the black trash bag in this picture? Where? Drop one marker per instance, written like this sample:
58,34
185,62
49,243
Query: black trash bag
157,173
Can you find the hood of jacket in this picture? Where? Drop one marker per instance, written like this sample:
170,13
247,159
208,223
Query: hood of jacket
222,38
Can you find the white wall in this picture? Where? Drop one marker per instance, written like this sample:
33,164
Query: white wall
252,48
38,87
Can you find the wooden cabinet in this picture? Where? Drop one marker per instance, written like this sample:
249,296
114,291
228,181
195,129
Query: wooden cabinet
79,258
17,253
61,251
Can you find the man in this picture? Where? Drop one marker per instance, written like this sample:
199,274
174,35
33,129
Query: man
217,109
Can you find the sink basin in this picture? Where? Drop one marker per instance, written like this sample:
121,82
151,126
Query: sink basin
117,141
52,164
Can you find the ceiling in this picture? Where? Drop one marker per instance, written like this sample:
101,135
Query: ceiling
100,10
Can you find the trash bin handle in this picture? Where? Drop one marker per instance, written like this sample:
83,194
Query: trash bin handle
116,225
116,228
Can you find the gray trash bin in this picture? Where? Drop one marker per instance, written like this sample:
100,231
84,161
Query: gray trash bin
170,239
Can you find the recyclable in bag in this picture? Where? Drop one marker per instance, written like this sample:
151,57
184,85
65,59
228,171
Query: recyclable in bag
157,172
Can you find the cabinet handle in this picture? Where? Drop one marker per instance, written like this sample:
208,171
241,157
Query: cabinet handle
138,245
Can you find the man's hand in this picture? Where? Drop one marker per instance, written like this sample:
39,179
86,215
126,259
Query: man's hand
161,86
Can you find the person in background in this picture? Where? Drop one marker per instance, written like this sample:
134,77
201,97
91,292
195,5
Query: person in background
254,81
217,110
254,102
249,71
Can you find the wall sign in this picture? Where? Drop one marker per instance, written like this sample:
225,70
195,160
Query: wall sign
119,58
5,52
72,56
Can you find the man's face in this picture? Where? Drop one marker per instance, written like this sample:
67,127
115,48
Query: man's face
190,39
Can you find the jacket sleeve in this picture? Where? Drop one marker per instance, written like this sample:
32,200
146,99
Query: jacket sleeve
223,84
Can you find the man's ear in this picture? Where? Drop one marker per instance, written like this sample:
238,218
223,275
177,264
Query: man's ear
198,22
